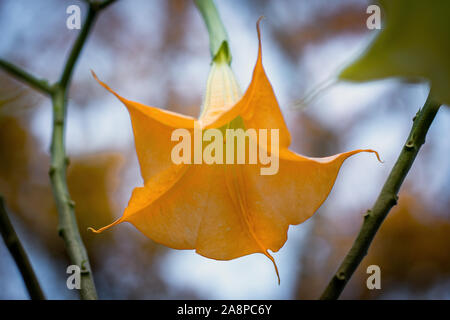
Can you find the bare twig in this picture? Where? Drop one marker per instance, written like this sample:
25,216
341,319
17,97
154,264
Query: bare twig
94,8
38,84
18,253
386,200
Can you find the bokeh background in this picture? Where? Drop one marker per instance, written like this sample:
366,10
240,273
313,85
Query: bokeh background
156,52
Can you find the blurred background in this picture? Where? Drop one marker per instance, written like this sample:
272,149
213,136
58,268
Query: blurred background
156,52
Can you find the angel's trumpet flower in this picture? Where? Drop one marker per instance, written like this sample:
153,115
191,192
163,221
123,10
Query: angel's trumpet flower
224,210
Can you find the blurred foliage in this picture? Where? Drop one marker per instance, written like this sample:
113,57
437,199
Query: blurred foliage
93,181
414,44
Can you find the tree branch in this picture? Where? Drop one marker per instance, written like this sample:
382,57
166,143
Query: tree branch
68,227
77,47
41,85
104,4
67,223
18,253
94,9
386,200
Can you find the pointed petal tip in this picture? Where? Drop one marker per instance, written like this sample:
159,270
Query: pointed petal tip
267,254
99,81
104,85
94,75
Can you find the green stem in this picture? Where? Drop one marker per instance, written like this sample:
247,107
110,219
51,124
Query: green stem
94,9
77,47
18,253
41,85
68,227
218,39
386,200
67,223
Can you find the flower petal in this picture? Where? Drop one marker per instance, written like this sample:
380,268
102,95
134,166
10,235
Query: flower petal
302,184
258,107
152,129
198,213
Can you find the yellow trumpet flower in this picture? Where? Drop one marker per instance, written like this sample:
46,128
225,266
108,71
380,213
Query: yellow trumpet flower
224,210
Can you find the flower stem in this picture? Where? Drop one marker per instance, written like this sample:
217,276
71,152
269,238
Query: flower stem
17,251
218,39
386,200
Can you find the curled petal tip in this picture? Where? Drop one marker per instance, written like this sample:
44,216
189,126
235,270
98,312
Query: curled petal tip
93,230
258,28
259,20
367,150
105,227
376,153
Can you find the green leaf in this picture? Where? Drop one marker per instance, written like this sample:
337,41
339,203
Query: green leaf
414,44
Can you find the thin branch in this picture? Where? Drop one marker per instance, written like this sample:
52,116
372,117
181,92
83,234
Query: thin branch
386,200
39,84
76,49
67,222
18,253
105,3
99,5
68,227
94,9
